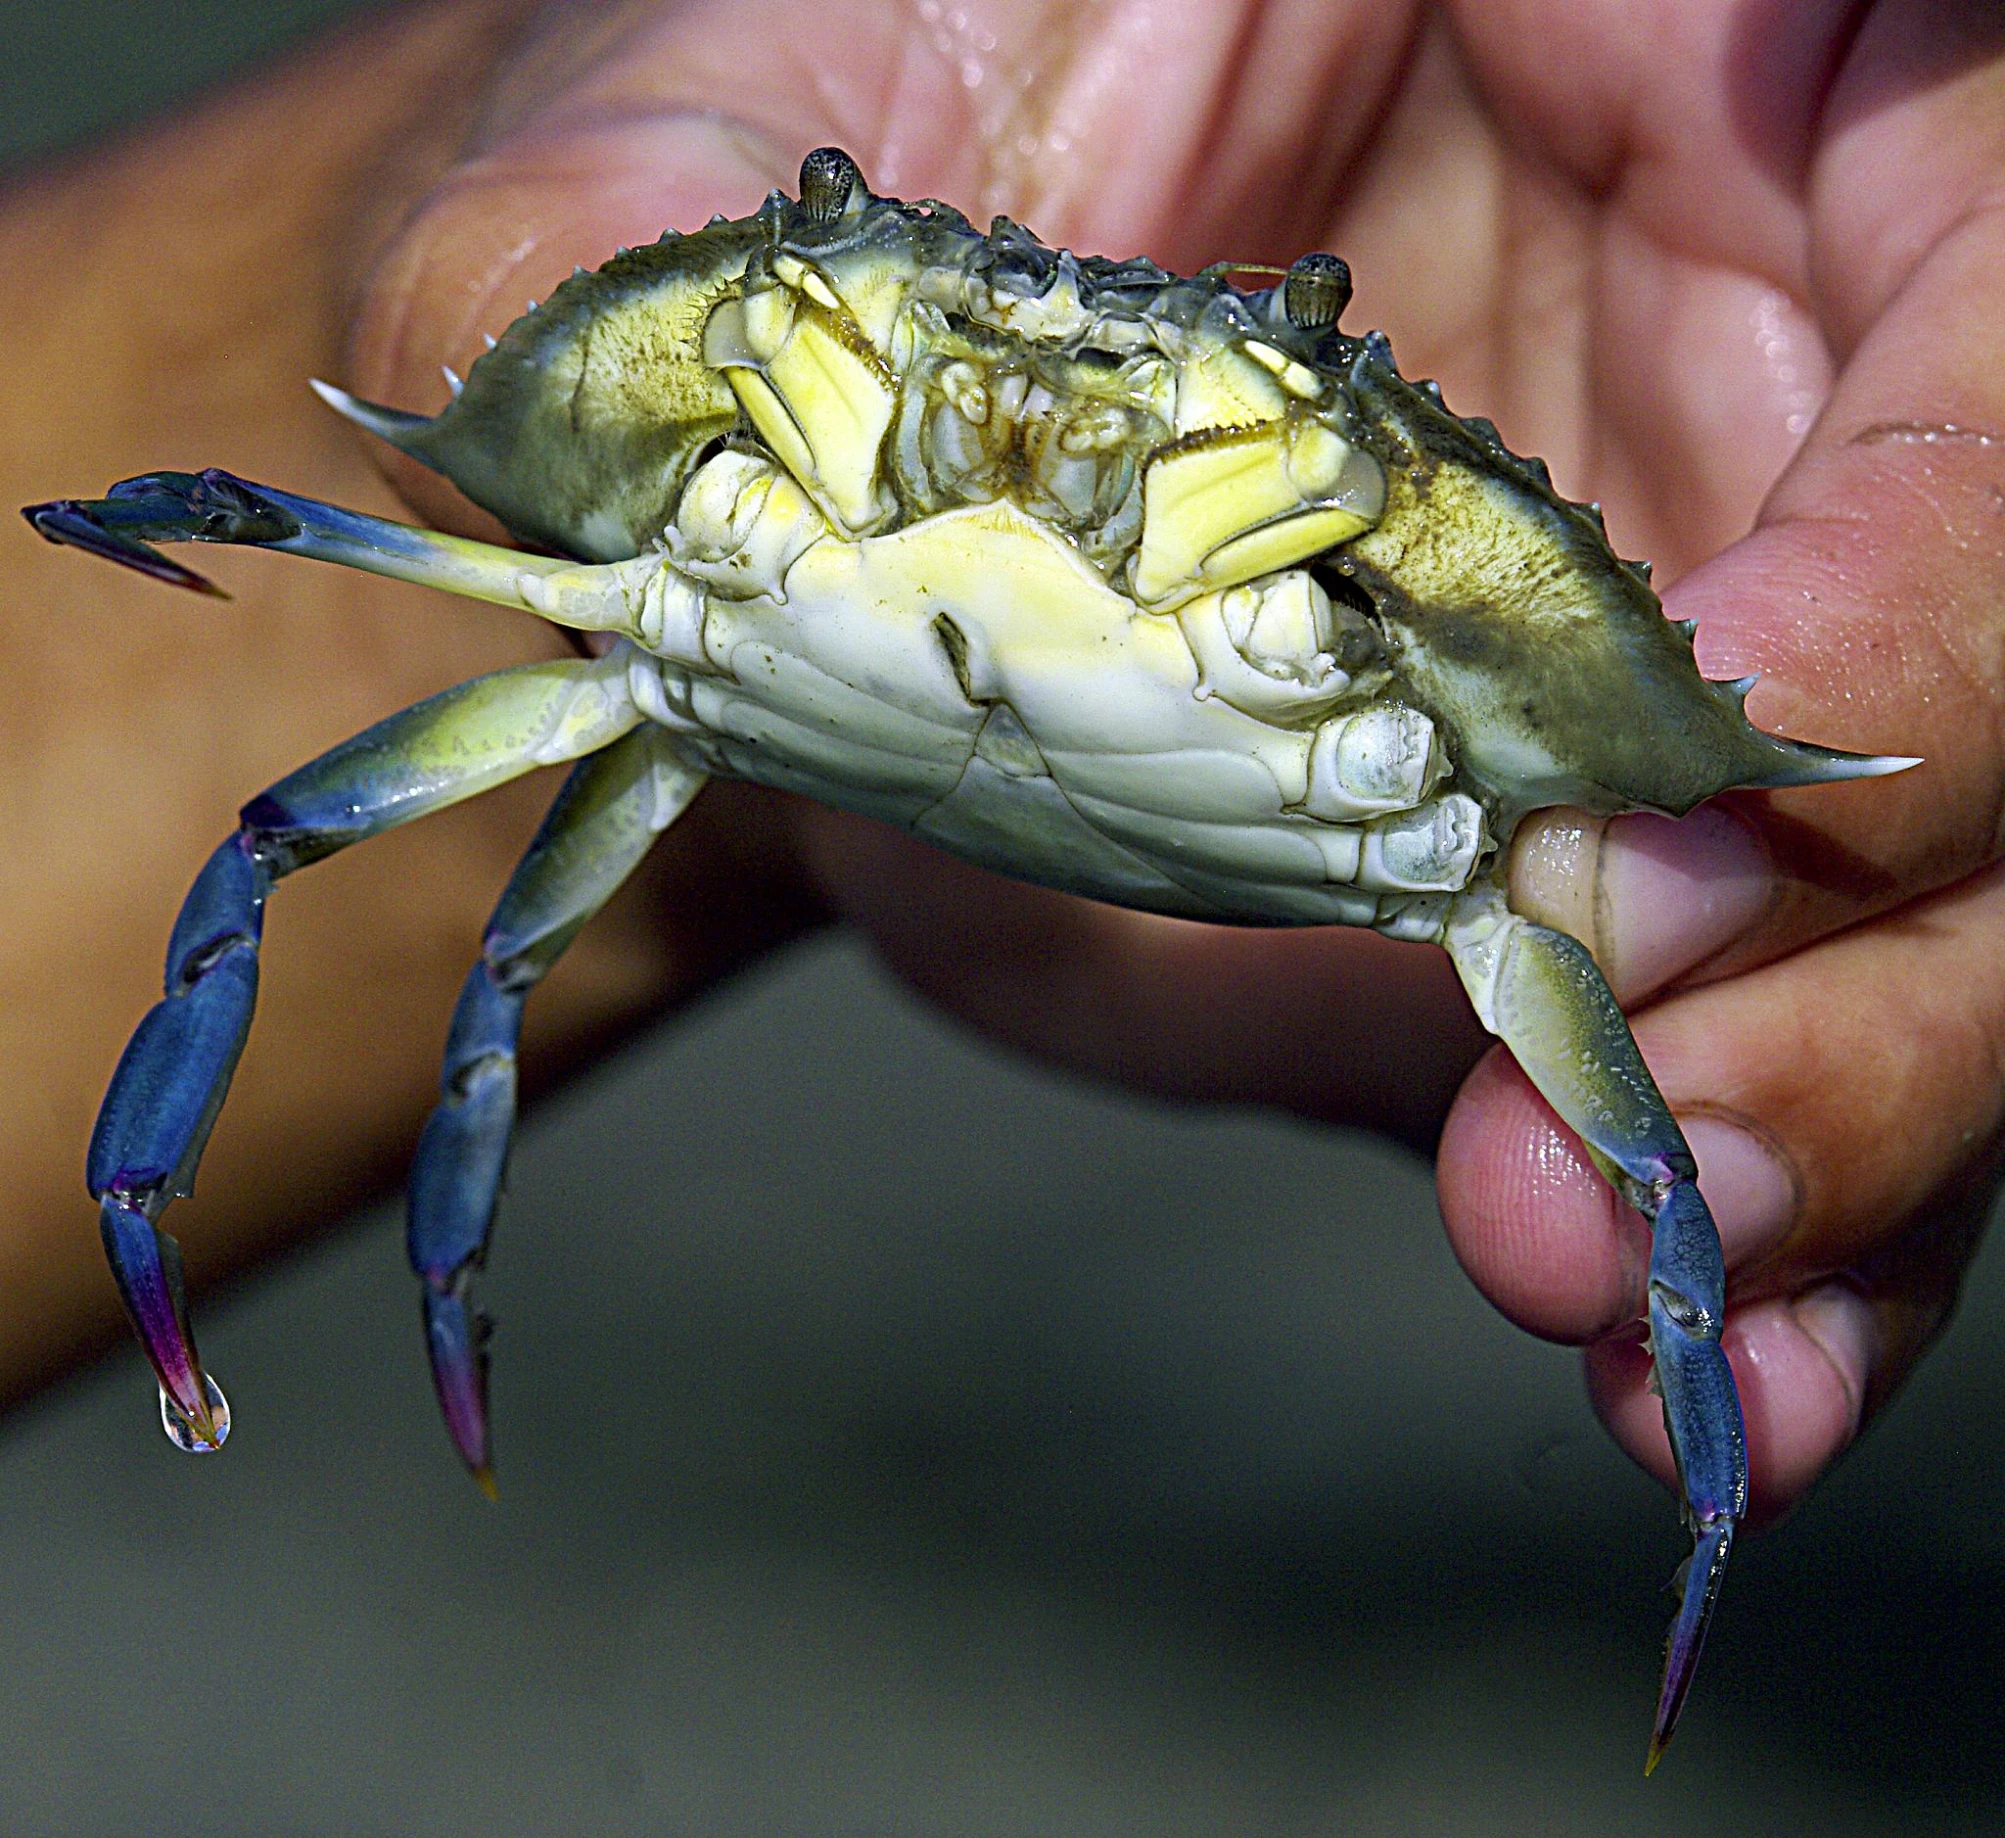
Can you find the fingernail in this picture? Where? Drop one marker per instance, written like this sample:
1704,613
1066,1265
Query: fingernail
1672,892
1749,1187
1840,1321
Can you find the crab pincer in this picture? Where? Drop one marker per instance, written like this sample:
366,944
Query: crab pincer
72,522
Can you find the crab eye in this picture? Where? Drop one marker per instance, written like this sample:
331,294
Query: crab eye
1317,290
829,180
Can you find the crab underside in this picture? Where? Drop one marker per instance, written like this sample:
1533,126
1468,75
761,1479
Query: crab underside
1149,588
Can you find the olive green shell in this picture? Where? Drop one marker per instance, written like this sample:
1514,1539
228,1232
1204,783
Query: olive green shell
1500,608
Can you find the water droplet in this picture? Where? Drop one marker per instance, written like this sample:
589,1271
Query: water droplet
181,1433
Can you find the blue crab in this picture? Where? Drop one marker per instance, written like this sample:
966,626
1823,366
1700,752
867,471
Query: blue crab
1160,590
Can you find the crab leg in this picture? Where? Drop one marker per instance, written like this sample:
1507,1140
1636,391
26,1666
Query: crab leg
217,506
608,814
171,1081
1541,992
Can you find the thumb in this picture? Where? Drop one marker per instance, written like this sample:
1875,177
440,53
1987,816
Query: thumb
508,222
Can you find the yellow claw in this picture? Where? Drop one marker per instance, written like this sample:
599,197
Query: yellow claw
1229,504
820,395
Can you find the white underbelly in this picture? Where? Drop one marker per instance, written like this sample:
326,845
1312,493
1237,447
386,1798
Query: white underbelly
971,679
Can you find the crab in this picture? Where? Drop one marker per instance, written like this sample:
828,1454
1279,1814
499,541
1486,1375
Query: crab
1163,591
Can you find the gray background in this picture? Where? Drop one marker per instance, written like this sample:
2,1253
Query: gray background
897,1441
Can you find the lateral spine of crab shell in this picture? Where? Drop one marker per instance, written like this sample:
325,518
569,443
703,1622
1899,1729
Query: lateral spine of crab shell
580,425
1514,623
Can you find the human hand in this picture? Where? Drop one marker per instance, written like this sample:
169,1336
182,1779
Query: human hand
1653,263
1734,277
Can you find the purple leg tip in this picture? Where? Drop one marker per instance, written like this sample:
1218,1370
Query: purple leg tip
456,1338
1687,1638
147,1266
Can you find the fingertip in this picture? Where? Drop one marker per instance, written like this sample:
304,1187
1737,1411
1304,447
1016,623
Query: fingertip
1651,896
1530,1219
1676,891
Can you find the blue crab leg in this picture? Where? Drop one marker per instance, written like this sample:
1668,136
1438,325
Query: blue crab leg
603,822
217,506
1541,992
174,1073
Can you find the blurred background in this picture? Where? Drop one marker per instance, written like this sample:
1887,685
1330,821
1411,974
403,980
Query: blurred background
899,1441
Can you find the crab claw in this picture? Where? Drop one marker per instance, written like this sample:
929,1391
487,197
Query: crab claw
157,1115
456,1339
1702,1416
72,522
134,514
217,506
1697,1586
455,1181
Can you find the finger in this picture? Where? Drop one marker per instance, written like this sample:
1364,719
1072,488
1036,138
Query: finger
1864,599
1845,1106
1651,897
